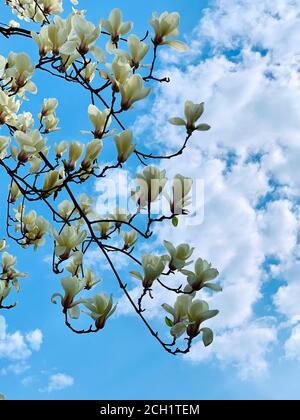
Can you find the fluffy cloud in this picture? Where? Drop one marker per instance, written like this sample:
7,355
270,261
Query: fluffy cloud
245,347
17,346
35,339
248,161
292,345
59,381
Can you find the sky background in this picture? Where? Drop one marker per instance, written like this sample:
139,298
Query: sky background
244,63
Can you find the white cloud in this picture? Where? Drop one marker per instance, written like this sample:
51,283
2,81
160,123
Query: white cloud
59,381
246,348
17,347
35,339
292,345
16,368
249,162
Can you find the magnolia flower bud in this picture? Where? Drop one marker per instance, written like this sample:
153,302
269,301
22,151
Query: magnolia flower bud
100,120
60,149
181,189
76,263
15,192
49,106
103,228
35,163
86,203
167,25
3,245
124,145
129,239
153,267
75,152
4,143
89,72
52,182
101,307
8,262
93,150
90,279
65,209
42,41
133,90
13,24
120,216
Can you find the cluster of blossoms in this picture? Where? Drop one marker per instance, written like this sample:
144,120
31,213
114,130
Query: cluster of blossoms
101,306
37,10
188,313
9,275
69,48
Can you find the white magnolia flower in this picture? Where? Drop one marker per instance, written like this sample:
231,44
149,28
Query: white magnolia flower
93,150
166,25
67,240
14,192
72,286
3,245
199,312
121,71
181,189
101,307
82,38
60,148
20,70
4,143
151,183
129,238
124,145
9,106
179,313
193,113
202,277
133,90
100,120
52,182
30,143
75,153
153,266
24,122
115,27
179,255
138,50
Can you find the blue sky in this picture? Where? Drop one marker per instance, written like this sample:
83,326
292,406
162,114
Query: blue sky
256,352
